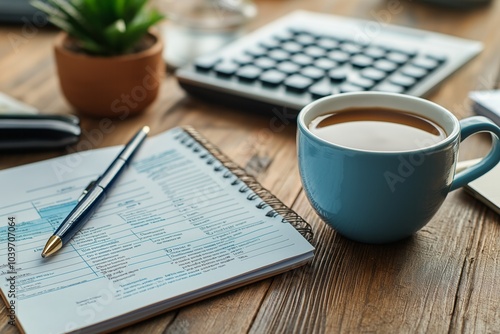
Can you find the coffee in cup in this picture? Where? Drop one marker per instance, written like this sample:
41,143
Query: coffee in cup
377,166
376,129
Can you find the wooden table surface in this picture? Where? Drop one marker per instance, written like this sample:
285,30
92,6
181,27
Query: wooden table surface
445,278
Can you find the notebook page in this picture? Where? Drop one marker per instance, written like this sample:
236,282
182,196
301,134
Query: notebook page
175,222
9,105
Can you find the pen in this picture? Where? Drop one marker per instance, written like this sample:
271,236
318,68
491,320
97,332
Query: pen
93,196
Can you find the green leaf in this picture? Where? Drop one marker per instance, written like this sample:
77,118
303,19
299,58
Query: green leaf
104,27
44,7
133,8
120,8
114,35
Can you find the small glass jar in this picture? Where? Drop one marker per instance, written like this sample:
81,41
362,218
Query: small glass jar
197,27
213,15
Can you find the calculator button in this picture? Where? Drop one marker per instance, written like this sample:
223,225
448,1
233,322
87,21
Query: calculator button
283,36
320,90
374,52
312,72
335,36
339,56
308,31
362,82
351,48
396,57
425,63
272,77
256,51
314,51
297,30
360,42
226,68
278,55
302,59
291,47
325,64
337,74
385,65
327,44
373,74
288,67
414,72
305,40
243,59
402,80
390,88
206,63
361,61
248,73
349,88
265,63
298,83
270,44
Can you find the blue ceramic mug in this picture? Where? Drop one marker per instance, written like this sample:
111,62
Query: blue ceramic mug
379,197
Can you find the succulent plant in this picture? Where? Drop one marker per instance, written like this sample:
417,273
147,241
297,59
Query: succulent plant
102,27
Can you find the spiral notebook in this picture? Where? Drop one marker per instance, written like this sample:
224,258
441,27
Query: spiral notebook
183,223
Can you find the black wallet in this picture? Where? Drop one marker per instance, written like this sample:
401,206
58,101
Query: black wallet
34,132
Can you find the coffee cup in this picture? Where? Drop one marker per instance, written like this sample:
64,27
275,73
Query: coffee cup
375,195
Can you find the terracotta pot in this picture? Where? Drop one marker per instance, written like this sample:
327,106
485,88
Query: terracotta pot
117,86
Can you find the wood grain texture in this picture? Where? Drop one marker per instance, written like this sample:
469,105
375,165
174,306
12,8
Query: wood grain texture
443,279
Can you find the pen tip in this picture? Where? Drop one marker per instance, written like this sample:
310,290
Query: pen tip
146,129
53,245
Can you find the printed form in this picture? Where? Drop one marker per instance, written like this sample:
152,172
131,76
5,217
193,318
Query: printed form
176,222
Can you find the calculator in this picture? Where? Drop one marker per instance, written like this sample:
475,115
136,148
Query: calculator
305,56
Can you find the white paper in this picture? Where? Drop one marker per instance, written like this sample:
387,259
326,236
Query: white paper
487,103
10,105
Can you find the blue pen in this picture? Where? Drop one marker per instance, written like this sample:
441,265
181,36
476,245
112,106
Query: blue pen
93,196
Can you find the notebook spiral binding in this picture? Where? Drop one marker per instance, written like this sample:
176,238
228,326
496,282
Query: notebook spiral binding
246,182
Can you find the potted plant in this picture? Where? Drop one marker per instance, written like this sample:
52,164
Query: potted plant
109,61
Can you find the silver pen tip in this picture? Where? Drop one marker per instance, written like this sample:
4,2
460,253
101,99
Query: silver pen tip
146,129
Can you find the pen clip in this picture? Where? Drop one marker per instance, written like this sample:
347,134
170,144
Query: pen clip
87,189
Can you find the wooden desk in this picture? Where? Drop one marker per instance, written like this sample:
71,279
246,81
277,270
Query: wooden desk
446,278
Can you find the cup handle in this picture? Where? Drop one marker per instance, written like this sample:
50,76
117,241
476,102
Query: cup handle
470,126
